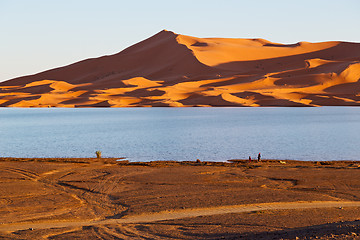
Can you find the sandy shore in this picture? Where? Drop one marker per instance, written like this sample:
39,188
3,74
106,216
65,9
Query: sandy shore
92,199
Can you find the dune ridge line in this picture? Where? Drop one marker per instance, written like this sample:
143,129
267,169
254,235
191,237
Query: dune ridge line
174,70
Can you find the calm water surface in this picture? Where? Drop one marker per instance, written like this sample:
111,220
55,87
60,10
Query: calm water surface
145,134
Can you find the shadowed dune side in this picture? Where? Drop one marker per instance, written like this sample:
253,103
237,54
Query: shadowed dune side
158,57
174,70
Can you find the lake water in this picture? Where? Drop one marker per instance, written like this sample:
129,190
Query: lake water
213,134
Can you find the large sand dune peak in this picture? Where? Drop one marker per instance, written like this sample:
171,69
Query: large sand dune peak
170,69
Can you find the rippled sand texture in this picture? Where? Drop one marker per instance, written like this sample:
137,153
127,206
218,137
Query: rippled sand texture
174,70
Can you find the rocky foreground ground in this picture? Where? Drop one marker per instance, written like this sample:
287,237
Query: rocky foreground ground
109,199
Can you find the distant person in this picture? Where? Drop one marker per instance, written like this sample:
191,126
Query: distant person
259,157
249,159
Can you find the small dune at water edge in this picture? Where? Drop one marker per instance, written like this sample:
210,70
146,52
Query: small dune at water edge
175,70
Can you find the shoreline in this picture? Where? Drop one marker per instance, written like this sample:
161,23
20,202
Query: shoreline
81,197
124,161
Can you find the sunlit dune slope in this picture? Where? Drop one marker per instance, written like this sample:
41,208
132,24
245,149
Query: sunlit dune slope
174,70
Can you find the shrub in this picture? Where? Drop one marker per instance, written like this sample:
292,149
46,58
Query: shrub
98,154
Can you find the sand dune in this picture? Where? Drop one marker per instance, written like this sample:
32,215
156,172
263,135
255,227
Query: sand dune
174,70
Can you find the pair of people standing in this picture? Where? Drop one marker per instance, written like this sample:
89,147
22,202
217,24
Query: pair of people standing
258,158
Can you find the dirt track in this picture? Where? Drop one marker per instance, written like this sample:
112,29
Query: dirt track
178,214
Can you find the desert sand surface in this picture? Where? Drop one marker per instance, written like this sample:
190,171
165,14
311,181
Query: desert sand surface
175,70
108,199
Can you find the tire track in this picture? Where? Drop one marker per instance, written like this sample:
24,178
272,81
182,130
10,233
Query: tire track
188,213
31,175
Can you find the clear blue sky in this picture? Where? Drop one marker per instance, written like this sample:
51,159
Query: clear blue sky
38,35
